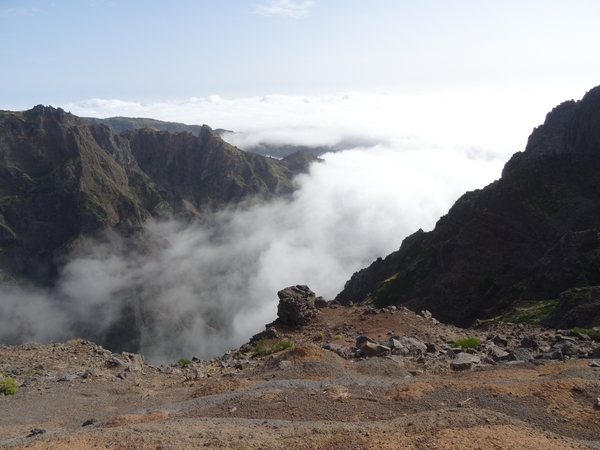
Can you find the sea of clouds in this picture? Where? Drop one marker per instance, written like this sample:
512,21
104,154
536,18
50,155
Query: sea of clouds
215,284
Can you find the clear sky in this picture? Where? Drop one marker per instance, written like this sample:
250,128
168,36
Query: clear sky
62,51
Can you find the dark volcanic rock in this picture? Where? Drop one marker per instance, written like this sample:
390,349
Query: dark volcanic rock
296,305
525,238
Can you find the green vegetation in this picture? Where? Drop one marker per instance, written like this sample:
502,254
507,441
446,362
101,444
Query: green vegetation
470,342
422,262
531,312
338,336
266,346
319,335
8,386
184,362
593,333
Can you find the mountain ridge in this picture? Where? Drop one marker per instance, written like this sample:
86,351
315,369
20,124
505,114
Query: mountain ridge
61,178
517,244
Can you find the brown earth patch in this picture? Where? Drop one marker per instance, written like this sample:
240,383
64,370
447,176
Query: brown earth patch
132,419
221,386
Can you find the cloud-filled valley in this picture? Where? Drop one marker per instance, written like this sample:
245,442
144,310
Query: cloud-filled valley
206,288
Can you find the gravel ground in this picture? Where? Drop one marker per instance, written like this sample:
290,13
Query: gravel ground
302,398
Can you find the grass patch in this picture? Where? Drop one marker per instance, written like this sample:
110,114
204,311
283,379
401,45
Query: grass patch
532,313
594,334
184,362
470,342
266,346
337,337
319,335
8,386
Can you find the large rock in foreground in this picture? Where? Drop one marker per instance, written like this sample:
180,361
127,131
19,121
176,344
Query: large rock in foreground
296,305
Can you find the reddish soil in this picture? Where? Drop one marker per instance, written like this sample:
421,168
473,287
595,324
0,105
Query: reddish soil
305,397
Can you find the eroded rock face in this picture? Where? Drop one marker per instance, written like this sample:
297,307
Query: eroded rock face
296,305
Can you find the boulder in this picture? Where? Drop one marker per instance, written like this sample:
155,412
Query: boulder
464,361
407,346
520,354
296,305
320,302
529,343
269,333
551,354
362,339
497,354
500,340
566,347
372,349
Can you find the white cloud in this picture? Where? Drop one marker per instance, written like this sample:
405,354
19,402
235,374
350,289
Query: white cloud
17,12
485,123
285,8
423,152
353,208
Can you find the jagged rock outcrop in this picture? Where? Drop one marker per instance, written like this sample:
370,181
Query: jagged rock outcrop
296,305
518,243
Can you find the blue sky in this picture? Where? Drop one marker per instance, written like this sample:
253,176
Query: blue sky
70,51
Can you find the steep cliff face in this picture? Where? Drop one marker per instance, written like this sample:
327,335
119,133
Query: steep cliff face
513,246
61,179
194,173
56,183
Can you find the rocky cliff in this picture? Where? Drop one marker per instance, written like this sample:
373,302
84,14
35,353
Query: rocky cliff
62,179
517,248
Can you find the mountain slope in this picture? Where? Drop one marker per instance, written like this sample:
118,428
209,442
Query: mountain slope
517,247
61,180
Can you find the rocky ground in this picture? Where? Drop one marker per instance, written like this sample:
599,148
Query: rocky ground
354,378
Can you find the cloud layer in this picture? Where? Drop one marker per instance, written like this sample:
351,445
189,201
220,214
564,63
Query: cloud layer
213,286
494,123
285,8
205,289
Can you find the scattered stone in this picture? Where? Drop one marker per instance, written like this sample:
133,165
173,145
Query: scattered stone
193,374
551,354
407,346
426,314
320,302
464,361
66,377
89,422
595,353
89,374
499,340
497,354
529,343
360,340
593,364
36,431
433,348
372,349
113,361
520,354
567,347
269,333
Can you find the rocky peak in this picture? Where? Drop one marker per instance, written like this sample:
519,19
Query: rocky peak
515,249
571,130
